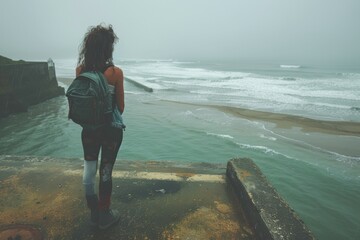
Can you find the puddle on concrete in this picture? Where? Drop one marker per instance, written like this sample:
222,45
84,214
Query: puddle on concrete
20,232
44,195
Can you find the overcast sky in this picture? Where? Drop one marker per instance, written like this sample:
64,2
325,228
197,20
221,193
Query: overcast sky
314,31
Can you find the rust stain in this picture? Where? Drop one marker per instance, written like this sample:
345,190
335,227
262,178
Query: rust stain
244,174
223,208
20,231
196,225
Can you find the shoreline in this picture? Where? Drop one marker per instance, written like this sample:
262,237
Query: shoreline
287,121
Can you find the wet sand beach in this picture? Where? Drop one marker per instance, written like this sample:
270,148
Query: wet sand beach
290,121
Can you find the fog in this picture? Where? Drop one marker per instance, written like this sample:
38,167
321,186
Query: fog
296,31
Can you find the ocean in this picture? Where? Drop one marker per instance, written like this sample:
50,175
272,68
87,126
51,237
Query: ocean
300,124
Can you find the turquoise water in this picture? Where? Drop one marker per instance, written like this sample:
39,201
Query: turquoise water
317,173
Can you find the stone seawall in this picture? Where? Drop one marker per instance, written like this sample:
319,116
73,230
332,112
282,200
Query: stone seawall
25,84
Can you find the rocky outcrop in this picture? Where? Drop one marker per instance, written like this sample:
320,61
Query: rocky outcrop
26,83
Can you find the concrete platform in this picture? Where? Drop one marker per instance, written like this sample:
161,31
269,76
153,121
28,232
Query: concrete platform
43,198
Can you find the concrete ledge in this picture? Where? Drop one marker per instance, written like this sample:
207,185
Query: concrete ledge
267,212
170,176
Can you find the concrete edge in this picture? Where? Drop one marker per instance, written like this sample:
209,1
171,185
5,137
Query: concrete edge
177,177
141,170
268,213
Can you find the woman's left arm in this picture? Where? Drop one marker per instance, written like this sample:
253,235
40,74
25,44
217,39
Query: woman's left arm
119,88
78,70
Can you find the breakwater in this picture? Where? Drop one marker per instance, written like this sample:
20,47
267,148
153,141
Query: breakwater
23,84
140,85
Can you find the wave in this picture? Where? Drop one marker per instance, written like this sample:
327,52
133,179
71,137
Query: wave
141,60
266,137
175,71
312,93
65,86
288,78
201,114
263,149
350,75
220,135
290,66
336,156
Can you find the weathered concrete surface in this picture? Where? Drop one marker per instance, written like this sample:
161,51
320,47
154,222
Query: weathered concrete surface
26,83
157,200
270,215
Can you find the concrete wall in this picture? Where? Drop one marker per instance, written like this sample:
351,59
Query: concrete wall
268,213
25,84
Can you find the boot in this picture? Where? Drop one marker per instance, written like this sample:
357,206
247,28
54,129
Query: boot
107,218
92,202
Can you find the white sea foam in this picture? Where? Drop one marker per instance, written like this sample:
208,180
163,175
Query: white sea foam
263,149
267,137
61,84
188,113
220,135
351,75
174,71
336,156
290,66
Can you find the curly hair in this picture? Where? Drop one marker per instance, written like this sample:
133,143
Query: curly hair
97,48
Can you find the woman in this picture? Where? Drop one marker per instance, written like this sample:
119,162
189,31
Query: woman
96,55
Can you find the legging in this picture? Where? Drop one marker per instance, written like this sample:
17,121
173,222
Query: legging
108,139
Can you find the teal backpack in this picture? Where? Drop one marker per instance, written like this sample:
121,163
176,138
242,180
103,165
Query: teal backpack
90,103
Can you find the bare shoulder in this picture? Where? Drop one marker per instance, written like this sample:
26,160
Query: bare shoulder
114,73
119,73
78,70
